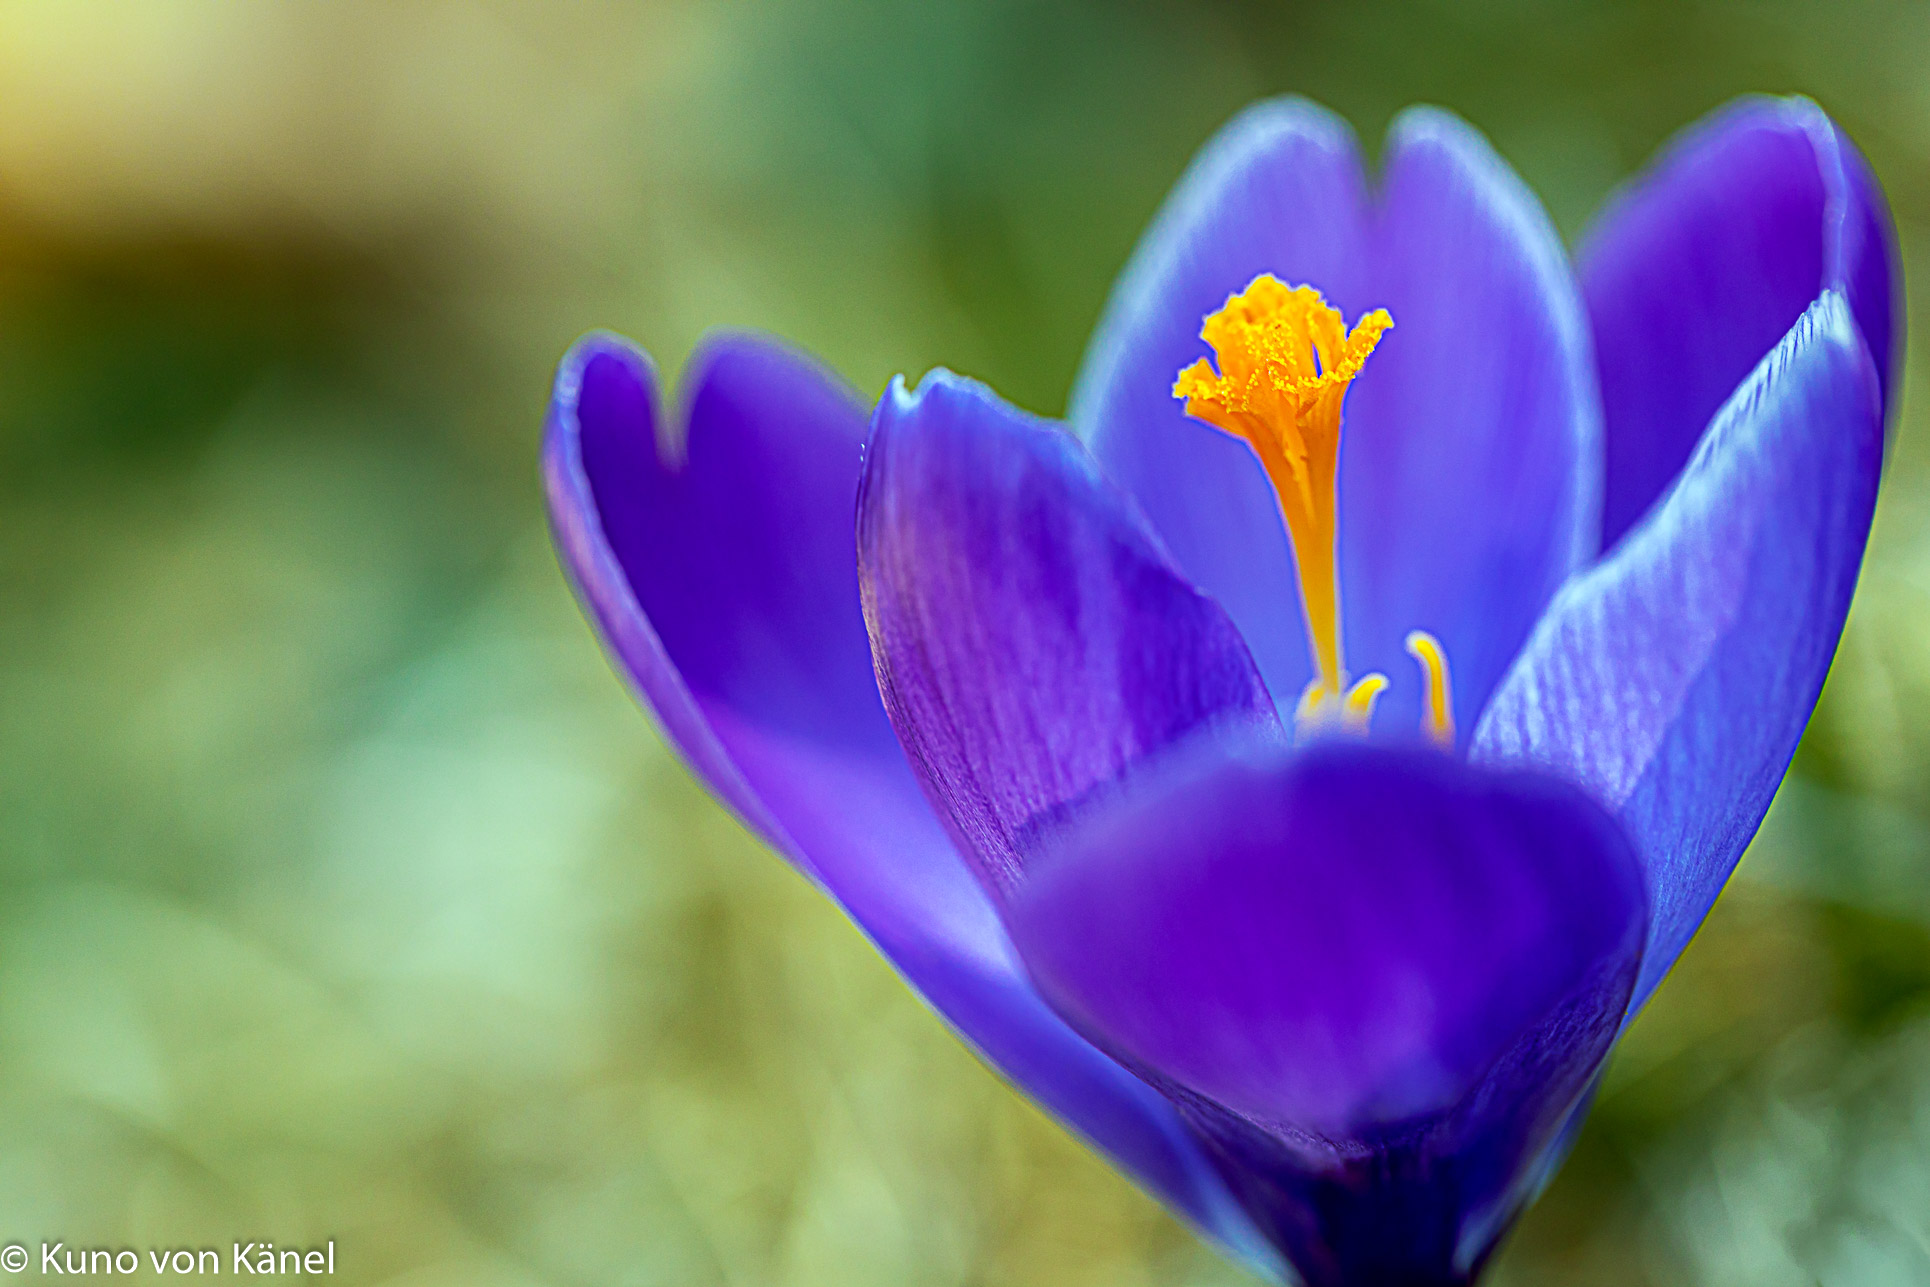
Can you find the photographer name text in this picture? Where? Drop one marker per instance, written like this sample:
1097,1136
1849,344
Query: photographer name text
243,1259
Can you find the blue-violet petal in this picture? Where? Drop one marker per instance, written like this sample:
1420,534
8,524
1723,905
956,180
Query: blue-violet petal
1033,642
1696,269
1673,679
1378,981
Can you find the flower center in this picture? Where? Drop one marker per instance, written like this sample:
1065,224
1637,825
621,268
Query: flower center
1285,363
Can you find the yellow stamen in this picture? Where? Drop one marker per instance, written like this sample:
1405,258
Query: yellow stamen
1352,712
1308,711
1285,361
1438,719
1360,701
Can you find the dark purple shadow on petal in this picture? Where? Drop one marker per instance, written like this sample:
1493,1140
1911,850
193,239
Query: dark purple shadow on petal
1695,270
1674,678
1033,643
1471,449
1377,982
753,657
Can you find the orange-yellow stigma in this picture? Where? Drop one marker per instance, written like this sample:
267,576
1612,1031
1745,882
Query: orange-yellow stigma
1285,361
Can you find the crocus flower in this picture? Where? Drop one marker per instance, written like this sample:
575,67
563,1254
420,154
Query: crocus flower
1295,772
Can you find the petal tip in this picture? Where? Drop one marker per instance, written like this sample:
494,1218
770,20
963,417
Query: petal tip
563,429
1830,321
590,346
940,383
1429,122
1264,124
944,397
1424,129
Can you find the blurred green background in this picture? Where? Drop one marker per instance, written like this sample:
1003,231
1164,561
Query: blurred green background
343,892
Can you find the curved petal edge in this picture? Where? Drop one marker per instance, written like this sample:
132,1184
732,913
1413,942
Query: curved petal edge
1674,679
1698,266
1377,983
1032,640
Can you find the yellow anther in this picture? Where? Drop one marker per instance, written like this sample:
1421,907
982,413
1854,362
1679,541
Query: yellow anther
1309,712
1318,712
1285,361
1438,718
1360,701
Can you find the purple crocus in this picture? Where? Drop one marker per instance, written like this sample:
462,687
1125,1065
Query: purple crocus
1296,771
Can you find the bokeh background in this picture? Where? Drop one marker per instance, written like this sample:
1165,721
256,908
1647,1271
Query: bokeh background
343,892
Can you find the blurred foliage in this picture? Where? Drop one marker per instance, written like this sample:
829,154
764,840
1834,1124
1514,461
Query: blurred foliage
343,893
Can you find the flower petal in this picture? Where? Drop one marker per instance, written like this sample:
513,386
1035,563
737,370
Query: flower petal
1033,643
1674,678
722,579
1470,452
1700,266
1378,981
735,537
1470,477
